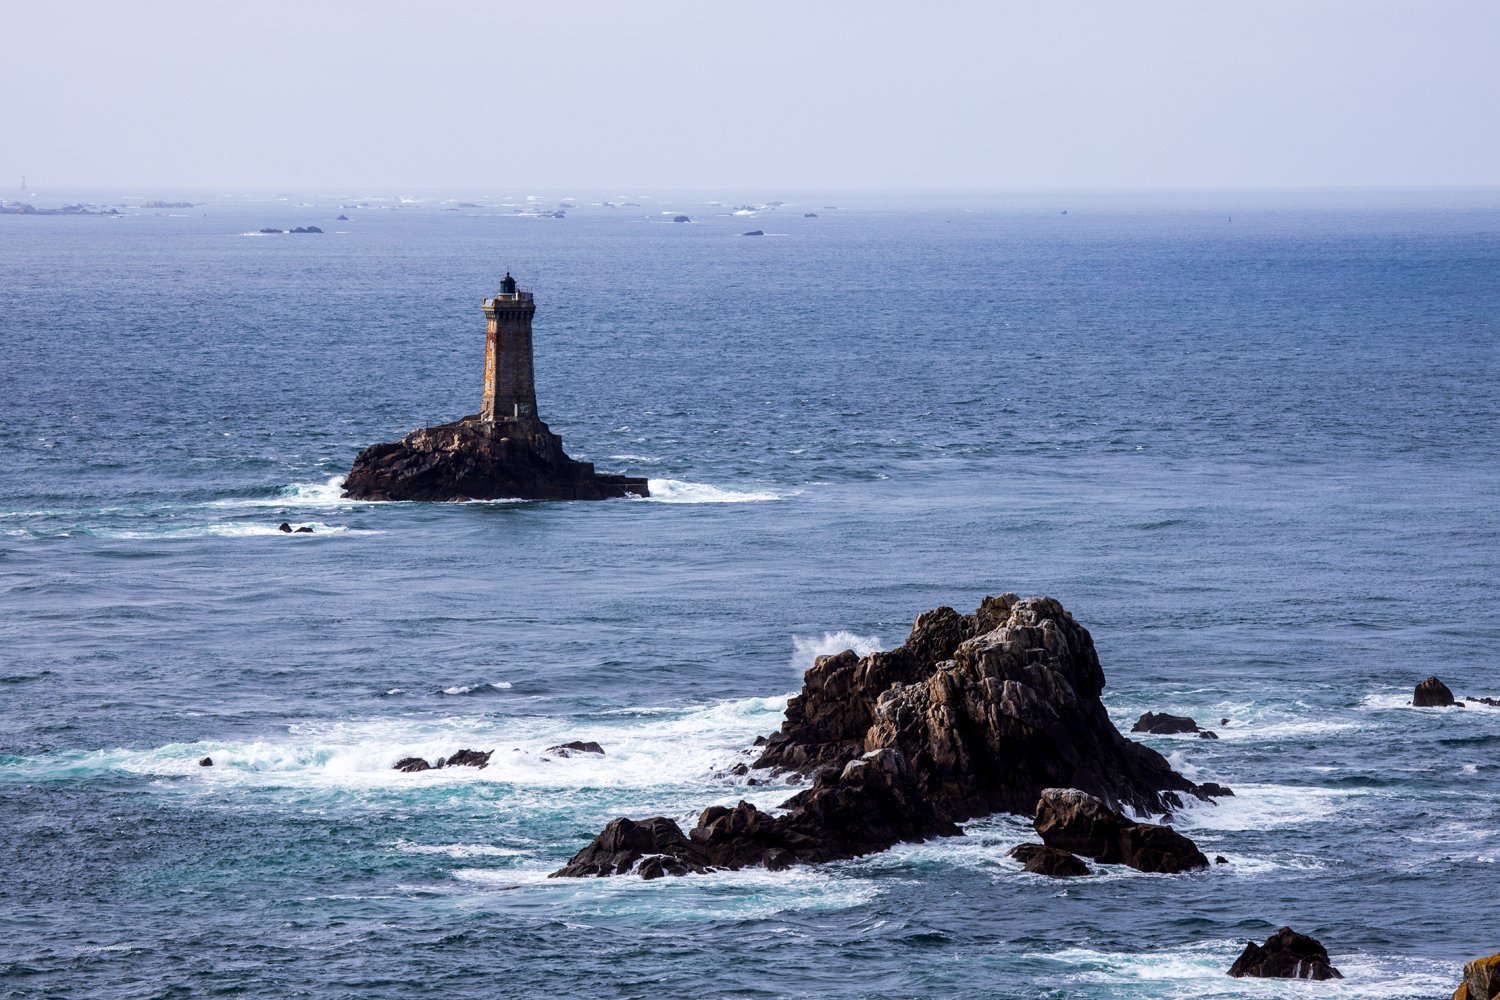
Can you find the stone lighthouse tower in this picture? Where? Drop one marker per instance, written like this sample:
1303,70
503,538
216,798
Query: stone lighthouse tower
509,382
502,452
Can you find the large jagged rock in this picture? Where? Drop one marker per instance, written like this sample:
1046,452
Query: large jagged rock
973,714
1432,693
867,807
990,709
1285,955
1078,822
474,459
1481,980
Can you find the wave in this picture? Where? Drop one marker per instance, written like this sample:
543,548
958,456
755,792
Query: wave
476,688
680,491
1198,970
806,649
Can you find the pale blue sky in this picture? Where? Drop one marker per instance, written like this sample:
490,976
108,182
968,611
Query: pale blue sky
492,95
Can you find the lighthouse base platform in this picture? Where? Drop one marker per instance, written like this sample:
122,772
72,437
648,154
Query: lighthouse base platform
474,459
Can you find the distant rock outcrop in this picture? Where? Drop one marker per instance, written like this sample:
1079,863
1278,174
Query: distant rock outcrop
576,746
1432,693
1285,955
474,459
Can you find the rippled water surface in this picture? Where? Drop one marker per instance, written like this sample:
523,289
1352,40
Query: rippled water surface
1256,456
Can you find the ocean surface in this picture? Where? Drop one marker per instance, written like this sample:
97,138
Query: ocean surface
1251,441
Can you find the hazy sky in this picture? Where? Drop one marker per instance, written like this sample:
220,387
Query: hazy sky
489,95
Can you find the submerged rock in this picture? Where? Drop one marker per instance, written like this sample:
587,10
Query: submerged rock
469,758
1078,822
1052,861
754,232
1285,955
1432,693
206,762
576,746
1164,724
1481,980
460,758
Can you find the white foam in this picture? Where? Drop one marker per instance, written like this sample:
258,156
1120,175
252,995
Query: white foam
750,894
459,850
471,688
664,760
806,649
1197,970
1266,807
679,491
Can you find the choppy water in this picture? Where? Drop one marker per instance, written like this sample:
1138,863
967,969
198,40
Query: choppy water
1256,457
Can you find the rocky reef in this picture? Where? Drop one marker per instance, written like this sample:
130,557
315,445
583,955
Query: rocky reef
1285,955
973,714
474,459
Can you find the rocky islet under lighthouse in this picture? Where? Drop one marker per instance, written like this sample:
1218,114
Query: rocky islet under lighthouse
504,451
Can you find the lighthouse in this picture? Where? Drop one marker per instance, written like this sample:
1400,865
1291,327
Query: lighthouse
502,452
509,381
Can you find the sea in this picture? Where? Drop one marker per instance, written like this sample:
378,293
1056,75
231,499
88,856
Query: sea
1250,440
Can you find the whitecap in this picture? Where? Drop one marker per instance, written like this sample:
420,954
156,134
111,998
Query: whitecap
459,850
679,491
1266,807
472,688
806,649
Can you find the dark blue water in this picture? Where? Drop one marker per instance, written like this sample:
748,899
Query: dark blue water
1256,457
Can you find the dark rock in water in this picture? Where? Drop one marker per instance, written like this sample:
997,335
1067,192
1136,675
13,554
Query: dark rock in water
809,215
276,231
991,708
1432,693
412,764
1219,859
576,746
304,530
1481,980
1207,734
1214,790
868,806
305,229
753,232
342,218
1223,722
682,218
474,459
1285,955
284,527
206,762
973,714
1492,702
1163,724
1076,821
1049,861
469,758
